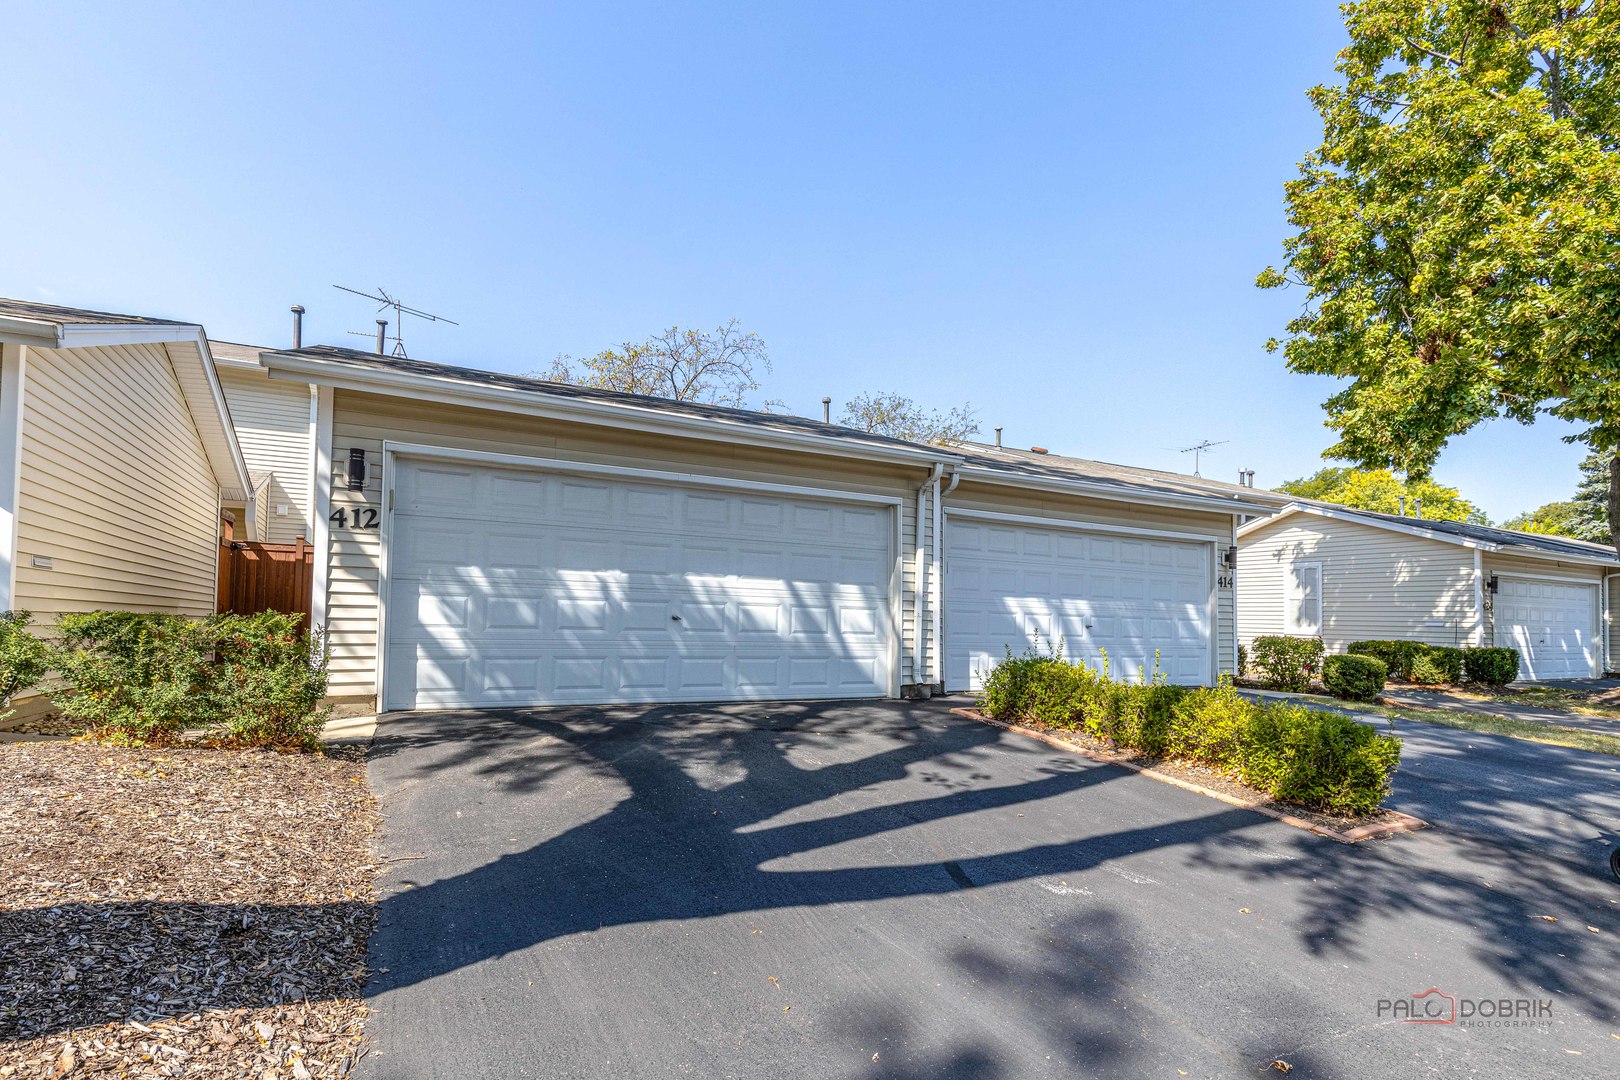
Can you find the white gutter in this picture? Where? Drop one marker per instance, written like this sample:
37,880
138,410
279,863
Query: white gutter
920,578
939,577
447,389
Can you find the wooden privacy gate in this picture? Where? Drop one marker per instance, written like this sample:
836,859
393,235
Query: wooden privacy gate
266,577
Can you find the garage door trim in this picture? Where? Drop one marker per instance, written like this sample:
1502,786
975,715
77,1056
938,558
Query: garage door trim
1072,525
424,451
1598,589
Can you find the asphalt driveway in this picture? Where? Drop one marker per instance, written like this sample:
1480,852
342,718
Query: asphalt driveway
882,889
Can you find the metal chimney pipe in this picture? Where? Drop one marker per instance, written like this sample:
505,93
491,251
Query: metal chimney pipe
1403,505
1417,507
1243,476
826,410
382,337
298,326
998,436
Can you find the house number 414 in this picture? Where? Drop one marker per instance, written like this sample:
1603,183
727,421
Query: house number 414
361,517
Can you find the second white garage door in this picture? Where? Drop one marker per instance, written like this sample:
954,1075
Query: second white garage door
1554,627
510,586
1011,586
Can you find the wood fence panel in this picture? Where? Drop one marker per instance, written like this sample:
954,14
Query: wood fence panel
258,577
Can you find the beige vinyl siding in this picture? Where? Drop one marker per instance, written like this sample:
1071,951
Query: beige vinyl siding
1611,657
364,421
1029,503
272,421
1376,583
116,488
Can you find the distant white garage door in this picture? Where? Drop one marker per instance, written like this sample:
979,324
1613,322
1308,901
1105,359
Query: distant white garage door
518,587
1012,585
1554,627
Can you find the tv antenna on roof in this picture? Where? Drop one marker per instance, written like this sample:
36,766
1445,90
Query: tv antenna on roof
1200,450
385,302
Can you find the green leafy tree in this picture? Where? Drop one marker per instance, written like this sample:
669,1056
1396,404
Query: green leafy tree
900,417
1584,517
1456,229
1380,490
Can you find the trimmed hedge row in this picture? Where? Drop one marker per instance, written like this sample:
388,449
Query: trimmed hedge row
1286,663
144,678
1295,754
1433,665
1354,678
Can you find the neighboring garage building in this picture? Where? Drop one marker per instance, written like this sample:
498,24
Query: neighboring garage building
275,426
487,540
1353,575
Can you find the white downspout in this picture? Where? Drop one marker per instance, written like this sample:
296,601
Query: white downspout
920,579
1479,600
938,595
1232,571
13,367
1607,613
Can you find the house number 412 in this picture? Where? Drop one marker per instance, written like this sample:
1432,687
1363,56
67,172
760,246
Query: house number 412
361,517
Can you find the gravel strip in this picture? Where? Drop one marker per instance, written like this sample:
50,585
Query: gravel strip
182,912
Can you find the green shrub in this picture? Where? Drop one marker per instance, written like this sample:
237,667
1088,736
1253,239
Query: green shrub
1354,678
1494,667
134,676
1286,663
1318,759
1006,689
1139,716
24,658
1242,661
1210,725
1434,665
269,681
1396,655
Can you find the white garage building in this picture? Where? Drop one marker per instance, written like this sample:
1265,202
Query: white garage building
1353,575
494,540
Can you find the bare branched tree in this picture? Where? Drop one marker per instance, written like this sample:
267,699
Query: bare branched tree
718,368
900,417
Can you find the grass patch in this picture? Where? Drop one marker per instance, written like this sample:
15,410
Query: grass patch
1580,702
1512,727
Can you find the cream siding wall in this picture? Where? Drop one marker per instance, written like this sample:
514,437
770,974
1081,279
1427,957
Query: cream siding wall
1028,503
1611,659
272,421
364,421
116,488
1375,583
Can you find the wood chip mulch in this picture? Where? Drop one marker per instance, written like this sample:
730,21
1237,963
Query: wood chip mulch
182,912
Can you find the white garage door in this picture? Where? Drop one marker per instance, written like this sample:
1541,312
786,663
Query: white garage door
520,587
1553,626
1011,586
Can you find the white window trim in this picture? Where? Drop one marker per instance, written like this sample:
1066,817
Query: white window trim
322,494
1290,627
1213,571
393,450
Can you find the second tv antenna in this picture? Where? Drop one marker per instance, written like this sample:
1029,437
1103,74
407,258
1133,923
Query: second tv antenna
1200,450
385,302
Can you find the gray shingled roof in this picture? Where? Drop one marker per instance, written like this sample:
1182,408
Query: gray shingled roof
66,316
1126,477
525,384
1506,539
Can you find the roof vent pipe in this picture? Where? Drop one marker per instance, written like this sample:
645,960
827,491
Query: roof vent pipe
1403,505
298,326
382,336
998,436
826,410
1417,507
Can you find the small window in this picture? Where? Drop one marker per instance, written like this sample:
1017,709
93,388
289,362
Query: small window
1303,600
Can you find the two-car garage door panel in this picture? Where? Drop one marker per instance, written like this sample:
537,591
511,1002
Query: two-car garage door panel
517,587
1140,600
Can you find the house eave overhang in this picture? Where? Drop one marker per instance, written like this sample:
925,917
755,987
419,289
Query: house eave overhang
450,390
1112,492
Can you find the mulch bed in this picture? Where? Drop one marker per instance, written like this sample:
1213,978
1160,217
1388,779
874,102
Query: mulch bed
1215,783
182,912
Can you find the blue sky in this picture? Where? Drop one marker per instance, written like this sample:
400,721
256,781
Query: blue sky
1053,211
